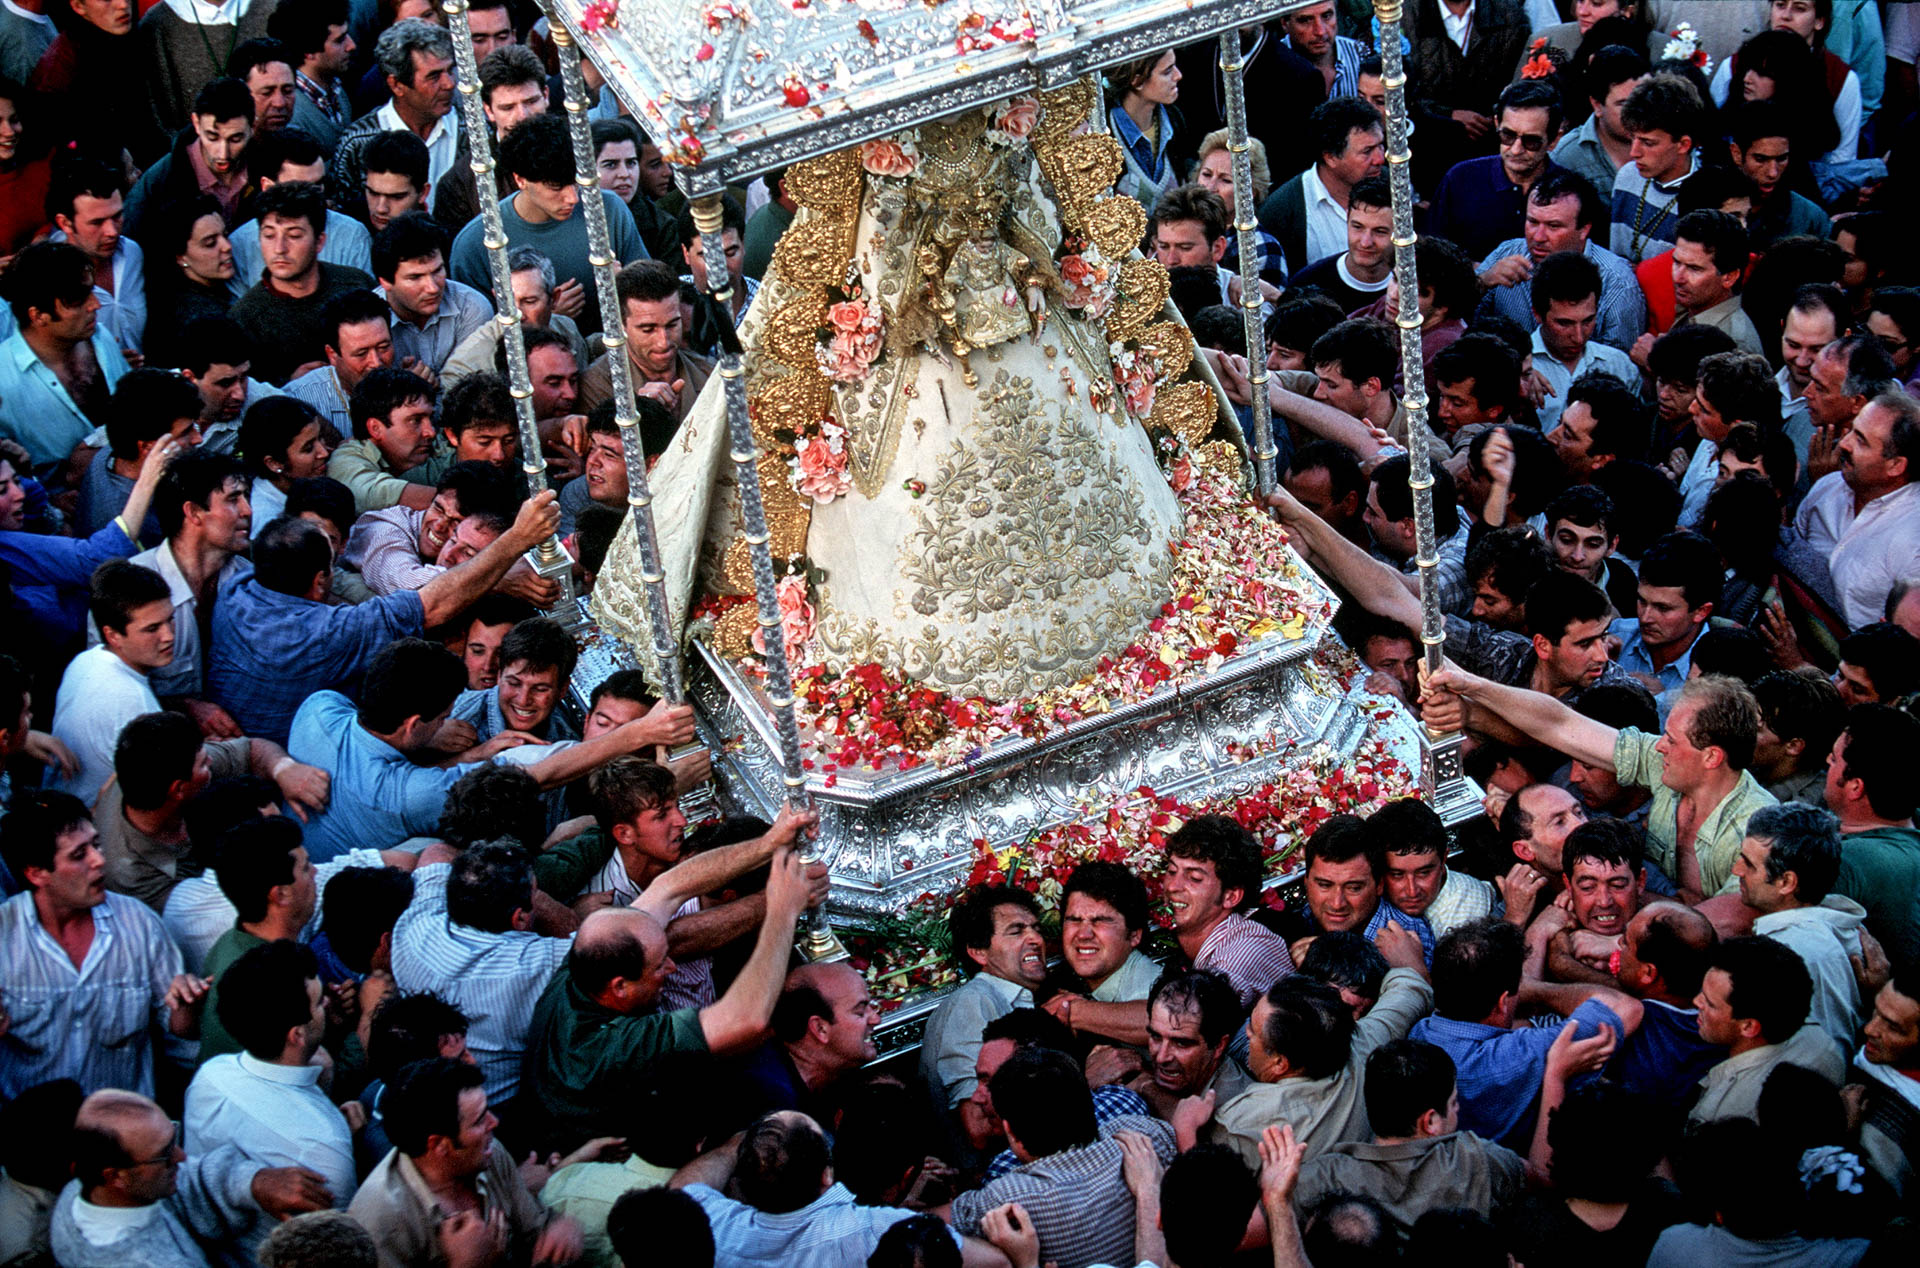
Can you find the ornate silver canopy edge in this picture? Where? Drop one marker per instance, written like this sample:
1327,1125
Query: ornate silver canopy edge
733,88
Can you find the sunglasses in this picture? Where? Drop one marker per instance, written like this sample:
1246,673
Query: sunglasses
165,1155
1530,143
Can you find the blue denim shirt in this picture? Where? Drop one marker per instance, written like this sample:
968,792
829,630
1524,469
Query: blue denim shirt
378,798
1635,658
1499,1071
271,651
49,578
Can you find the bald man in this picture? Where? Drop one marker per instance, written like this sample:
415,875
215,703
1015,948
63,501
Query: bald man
823,1030
595,1035
136,1198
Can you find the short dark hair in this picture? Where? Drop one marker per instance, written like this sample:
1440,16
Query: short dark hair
1610,65
1343,469
543,644
628,786
36,819
223,99
612,131
1901,306
351,308
192,479
1665,102
250,55
780,1163
154,752
1801,839
303,28
407,1027
366,904
1533,94
1191,202
1676,355
423,1101
1604,1142
1335,119
1887,654
292,200
971,919
409,677
538,150
1043,1098
1582,505
1870,371
1371,191
252,859
662,1222
510,67
1740,387
1513,559
1300,319
732,216
1732,651
1114,884
1474,965
414,236
1768,983
1557,183
1342,838
1223,842
490,881
290,552
1566,277
1721,233
1687,561
215,339
646,282
1407,825
482,397
1801,706
1881,741
1447,272
1310,1025
76,174
263,995
1605,840
492,801
35,1127
1620,424
268,153
1406,1079
1205,993
1345,960
400,152
1206,1197
383,391
1391,479
1647,489
1561,598
1485,360
1711,188
1362,348
117,588
45,274
269,428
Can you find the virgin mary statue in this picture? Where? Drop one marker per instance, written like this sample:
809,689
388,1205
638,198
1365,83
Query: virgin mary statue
959,372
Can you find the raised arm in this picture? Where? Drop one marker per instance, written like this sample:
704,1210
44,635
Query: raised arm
462,585
1374,586
1535,714
708,871
574,760
739,1018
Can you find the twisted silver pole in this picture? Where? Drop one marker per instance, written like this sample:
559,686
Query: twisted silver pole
1247,229
816,938
1442,758
625,414
549,559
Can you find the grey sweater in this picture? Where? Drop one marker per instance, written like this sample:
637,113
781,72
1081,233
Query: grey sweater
212,1203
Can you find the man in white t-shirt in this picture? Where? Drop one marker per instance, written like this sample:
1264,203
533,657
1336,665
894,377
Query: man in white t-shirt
106,687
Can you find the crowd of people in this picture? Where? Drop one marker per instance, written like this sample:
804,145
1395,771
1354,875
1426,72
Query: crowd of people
286,729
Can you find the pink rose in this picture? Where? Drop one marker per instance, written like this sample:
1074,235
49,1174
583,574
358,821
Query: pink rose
1076,270
1138,390
848,315
846,357
820,469
1017,117
796,620
887,157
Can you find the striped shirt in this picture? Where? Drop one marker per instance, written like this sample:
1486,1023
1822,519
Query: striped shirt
1252,956
93,1024
494,978
1347,56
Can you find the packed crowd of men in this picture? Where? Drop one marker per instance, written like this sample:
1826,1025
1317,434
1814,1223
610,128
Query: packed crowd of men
333,938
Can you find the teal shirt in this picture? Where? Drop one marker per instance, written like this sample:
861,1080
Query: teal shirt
1880,870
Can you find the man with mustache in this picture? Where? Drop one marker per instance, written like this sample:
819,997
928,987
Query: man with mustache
1865,517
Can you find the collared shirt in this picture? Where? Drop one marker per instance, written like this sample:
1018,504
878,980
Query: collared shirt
398,1208
1645,212
1825,938
1326,221
330,99
1696,483
1867,550
1623,307
1114,1100
1252,956
1450,571
271,650
1411,1177
197,914
321,389
1325,1111
1133,980
1347,56
50,576
1596,356
1477,207
1582,153
1635,658
276,1115
185,673
123,310
94,1023
1728,317
463,310
348,243
952,1038
378,797
1716,838
144,867
34,406
1078,1197
442,142
1793,416
1459,26
1880,870
1384,914
481,709
1666,1058
385,547
368,475
496,979
1732,1088
1509,658
99,694
832,1231
1462,900
25,1214
1499,1070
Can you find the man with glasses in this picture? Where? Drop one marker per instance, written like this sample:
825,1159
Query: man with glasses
1482,202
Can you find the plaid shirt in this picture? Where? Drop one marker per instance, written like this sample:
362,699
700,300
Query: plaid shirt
1078,1198
1462,900
1450,571
1110,1101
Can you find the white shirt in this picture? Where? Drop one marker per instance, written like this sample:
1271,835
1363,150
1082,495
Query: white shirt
99,695
197,913
1824,937
182,675
123,310
268,503
274,1114
1326,222
211,12
1598,356
1866,552
441,142
1458,26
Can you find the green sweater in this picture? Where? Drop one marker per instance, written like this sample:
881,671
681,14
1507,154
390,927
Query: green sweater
215,1039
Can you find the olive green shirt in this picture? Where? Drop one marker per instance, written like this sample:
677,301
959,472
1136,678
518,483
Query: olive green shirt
1716,842
215,1040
